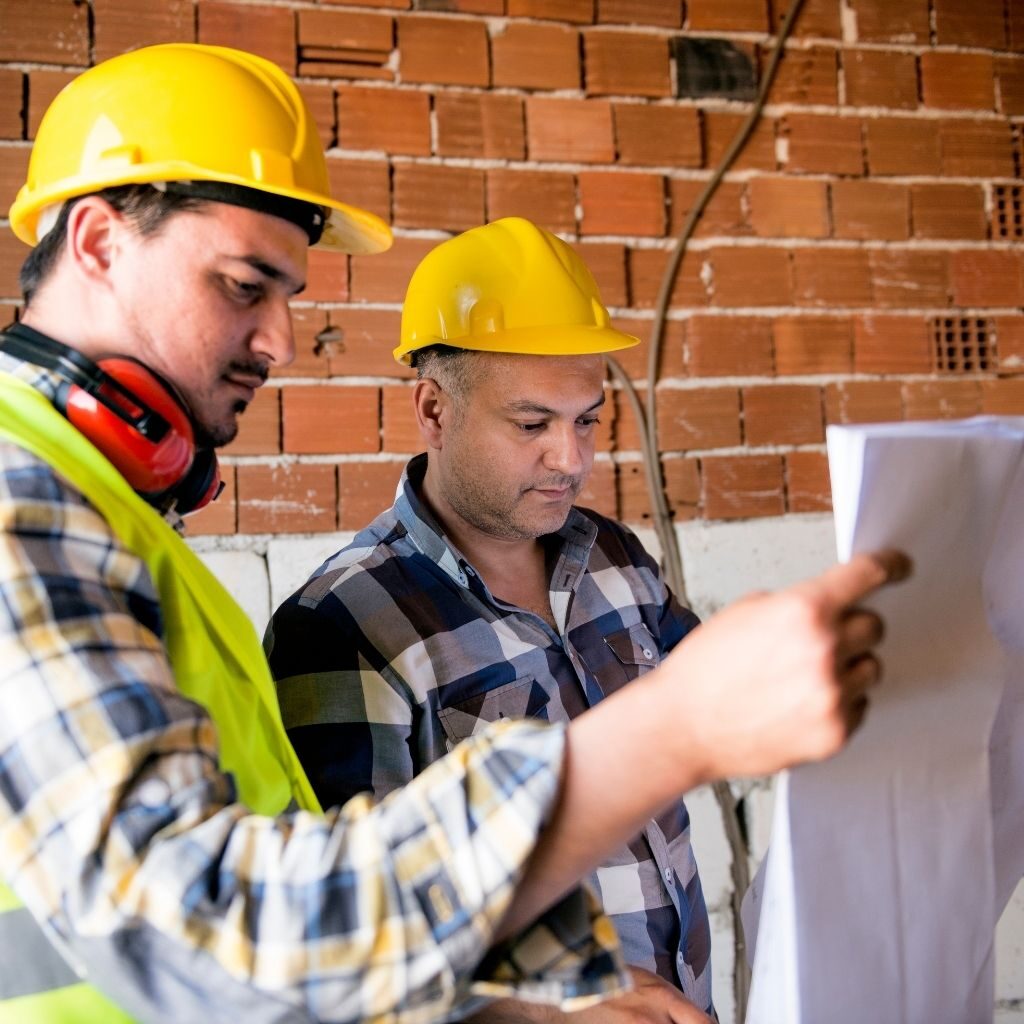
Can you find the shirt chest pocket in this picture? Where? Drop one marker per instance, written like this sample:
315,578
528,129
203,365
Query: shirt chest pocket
631,652
522,698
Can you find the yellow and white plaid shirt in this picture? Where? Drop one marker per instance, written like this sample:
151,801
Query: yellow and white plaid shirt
128,845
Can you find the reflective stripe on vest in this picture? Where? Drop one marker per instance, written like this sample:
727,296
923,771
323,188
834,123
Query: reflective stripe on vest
212,646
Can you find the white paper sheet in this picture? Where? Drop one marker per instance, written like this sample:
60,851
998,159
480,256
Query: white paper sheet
891,862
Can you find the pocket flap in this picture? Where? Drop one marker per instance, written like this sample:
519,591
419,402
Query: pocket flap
522,698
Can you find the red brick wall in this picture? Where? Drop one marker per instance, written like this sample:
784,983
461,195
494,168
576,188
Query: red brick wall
867,237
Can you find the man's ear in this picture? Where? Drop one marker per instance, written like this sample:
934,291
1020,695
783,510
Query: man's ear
430,404
94,228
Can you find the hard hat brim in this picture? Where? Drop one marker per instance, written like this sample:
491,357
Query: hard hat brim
569,340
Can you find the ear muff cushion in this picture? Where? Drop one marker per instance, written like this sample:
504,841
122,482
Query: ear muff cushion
150,466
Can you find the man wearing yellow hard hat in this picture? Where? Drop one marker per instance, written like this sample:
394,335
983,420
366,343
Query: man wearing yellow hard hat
164,857
485,593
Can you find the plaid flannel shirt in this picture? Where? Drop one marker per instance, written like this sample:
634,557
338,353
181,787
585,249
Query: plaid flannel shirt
128,845
395,651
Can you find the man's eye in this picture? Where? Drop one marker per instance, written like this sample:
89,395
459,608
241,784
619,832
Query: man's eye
588,421
531,428
245,291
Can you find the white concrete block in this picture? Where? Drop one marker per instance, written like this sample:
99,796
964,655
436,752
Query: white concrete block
721,966
710,847
292,560
244,575
1010,950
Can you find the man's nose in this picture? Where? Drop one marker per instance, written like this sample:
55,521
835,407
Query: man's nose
274,337
564,453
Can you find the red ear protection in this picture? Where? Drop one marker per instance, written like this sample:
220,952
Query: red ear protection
132,415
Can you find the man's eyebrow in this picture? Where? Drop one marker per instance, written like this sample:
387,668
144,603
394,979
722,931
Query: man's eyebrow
274,273
525,405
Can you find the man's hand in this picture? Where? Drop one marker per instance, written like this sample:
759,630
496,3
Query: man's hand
652,1001
781,678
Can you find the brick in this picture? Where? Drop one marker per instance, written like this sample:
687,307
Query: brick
666,13
44,31
813,344
607,263
941,399
365,340
880,78
12,255
580,12
983,278
958,80
750,276
698,418
363,183
1015,26
982,149
808,485
536,56
310,353
327,277
979,23
891,344
13,173
401,432
346,30
570,130
367,489
43,86
398,5
805,76
266,31
758,153
220,517
433,196
788,208
824,144
682,489
615,203
13,107
895,21
293,498
625,64
1002,397
657,136
477,124
670,355
545,197
259,430
831,277
902,145
646,269
598,492
385,277
948,211
735,16
723,215
463,42
728,346
870,210
319,97
867,401
817,18
909,278
782,414
492,7
392,120
320,419
1009,332
1010,84
122,25
742,487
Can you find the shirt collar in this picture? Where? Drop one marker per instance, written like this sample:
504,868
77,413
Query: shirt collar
576,535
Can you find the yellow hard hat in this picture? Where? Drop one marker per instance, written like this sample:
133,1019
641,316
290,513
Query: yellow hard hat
184,112
508,286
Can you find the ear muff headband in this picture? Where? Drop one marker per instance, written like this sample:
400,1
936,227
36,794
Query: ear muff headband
132,415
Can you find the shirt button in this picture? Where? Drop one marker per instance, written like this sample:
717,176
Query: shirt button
648,653
668,875
679,957
469,571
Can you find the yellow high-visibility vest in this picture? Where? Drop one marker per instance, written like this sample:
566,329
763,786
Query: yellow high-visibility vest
217,661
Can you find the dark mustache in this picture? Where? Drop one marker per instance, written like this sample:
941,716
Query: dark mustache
254,369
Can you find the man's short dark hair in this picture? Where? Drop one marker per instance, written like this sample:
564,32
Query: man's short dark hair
455,369
146,207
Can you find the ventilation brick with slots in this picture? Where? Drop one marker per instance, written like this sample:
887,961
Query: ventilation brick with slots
1008,217
963,344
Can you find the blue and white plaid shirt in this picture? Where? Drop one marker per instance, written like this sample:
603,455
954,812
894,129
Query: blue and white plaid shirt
395,651
129,847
